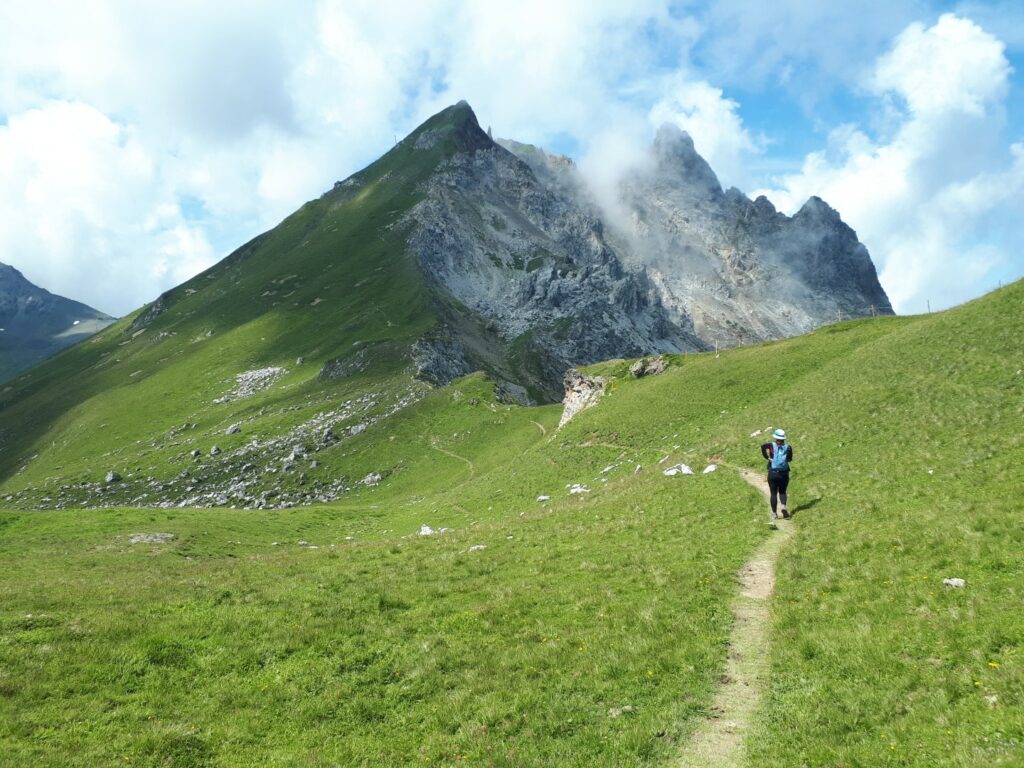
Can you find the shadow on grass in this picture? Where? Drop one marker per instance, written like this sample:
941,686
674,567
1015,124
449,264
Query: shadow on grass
807,505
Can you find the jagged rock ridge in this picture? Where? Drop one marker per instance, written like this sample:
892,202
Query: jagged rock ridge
737,269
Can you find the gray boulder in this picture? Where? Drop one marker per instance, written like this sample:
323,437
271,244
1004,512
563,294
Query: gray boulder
648,366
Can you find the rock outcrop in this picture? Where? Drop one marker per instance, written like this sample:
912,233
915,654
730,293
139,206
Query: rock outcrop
648,366
581,391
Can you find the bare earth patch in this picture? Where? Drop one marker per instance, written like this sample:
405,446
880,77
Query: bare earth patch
719,738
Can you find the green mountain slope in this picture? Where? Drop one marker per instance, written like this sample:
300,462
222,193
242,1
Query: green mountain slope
333,282
590,628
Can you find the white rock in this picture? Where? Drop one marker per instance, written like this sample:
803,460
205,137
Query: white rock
955,583
577,488
710,468
150,538
543,498
755,433
607,469
478,548
678,469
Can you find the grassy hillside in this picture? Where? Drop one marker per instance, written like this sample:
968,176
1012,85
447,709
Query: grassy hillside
333,282
591,628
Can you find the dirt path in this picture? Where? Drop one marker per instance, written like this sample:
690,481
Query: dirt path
439,449
719,738
540,426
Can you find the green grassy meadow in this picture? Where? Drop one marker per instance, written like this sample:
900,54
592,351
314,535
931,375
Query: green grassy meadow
590,629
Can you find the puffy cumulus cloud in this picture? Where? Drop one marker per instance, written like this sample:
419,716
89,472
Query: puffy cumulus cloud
953,66
714,123
82,211
928,199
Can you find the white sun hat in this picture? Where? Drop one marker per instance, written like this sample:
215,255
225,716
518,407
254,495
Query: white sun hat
779,434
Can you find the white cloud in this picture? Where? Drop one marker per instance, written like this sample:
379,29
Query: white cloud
82,211
953,66
921,200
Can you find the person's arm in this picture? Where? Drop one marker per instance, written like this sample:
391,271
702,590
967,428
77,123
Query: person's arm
789,453
766,451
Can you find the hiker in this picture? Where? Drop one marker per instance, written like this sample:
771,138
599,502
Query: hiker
778,454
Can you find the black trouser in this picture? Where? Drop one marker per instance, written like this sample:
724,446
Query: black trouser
778,482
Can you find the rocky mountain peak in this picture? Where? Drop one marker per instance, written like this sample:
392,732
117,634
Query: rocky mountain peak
456,126
676,155
816,208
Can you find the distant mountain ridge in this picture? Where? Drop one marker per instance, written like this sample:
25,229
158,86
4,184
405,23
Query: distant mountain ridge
36,323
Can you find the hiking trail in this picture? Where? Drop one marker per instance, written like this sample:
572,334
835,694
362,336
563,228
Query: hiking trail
719,738
439,449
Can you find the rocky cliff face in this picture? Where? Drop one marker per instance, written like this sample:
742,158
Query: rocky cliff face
34,323
535,276
738,270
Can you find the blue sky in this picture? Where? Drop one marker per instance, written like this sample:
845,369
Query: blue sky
140,143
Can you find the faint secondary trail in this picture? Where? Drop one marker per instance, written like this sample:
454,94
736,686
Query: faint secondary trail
720,737
540,426
439,449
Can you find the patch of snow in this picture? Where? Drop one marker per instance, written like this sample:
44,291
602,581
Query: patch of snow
543,498
710,468
577,488
955,583
478,548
